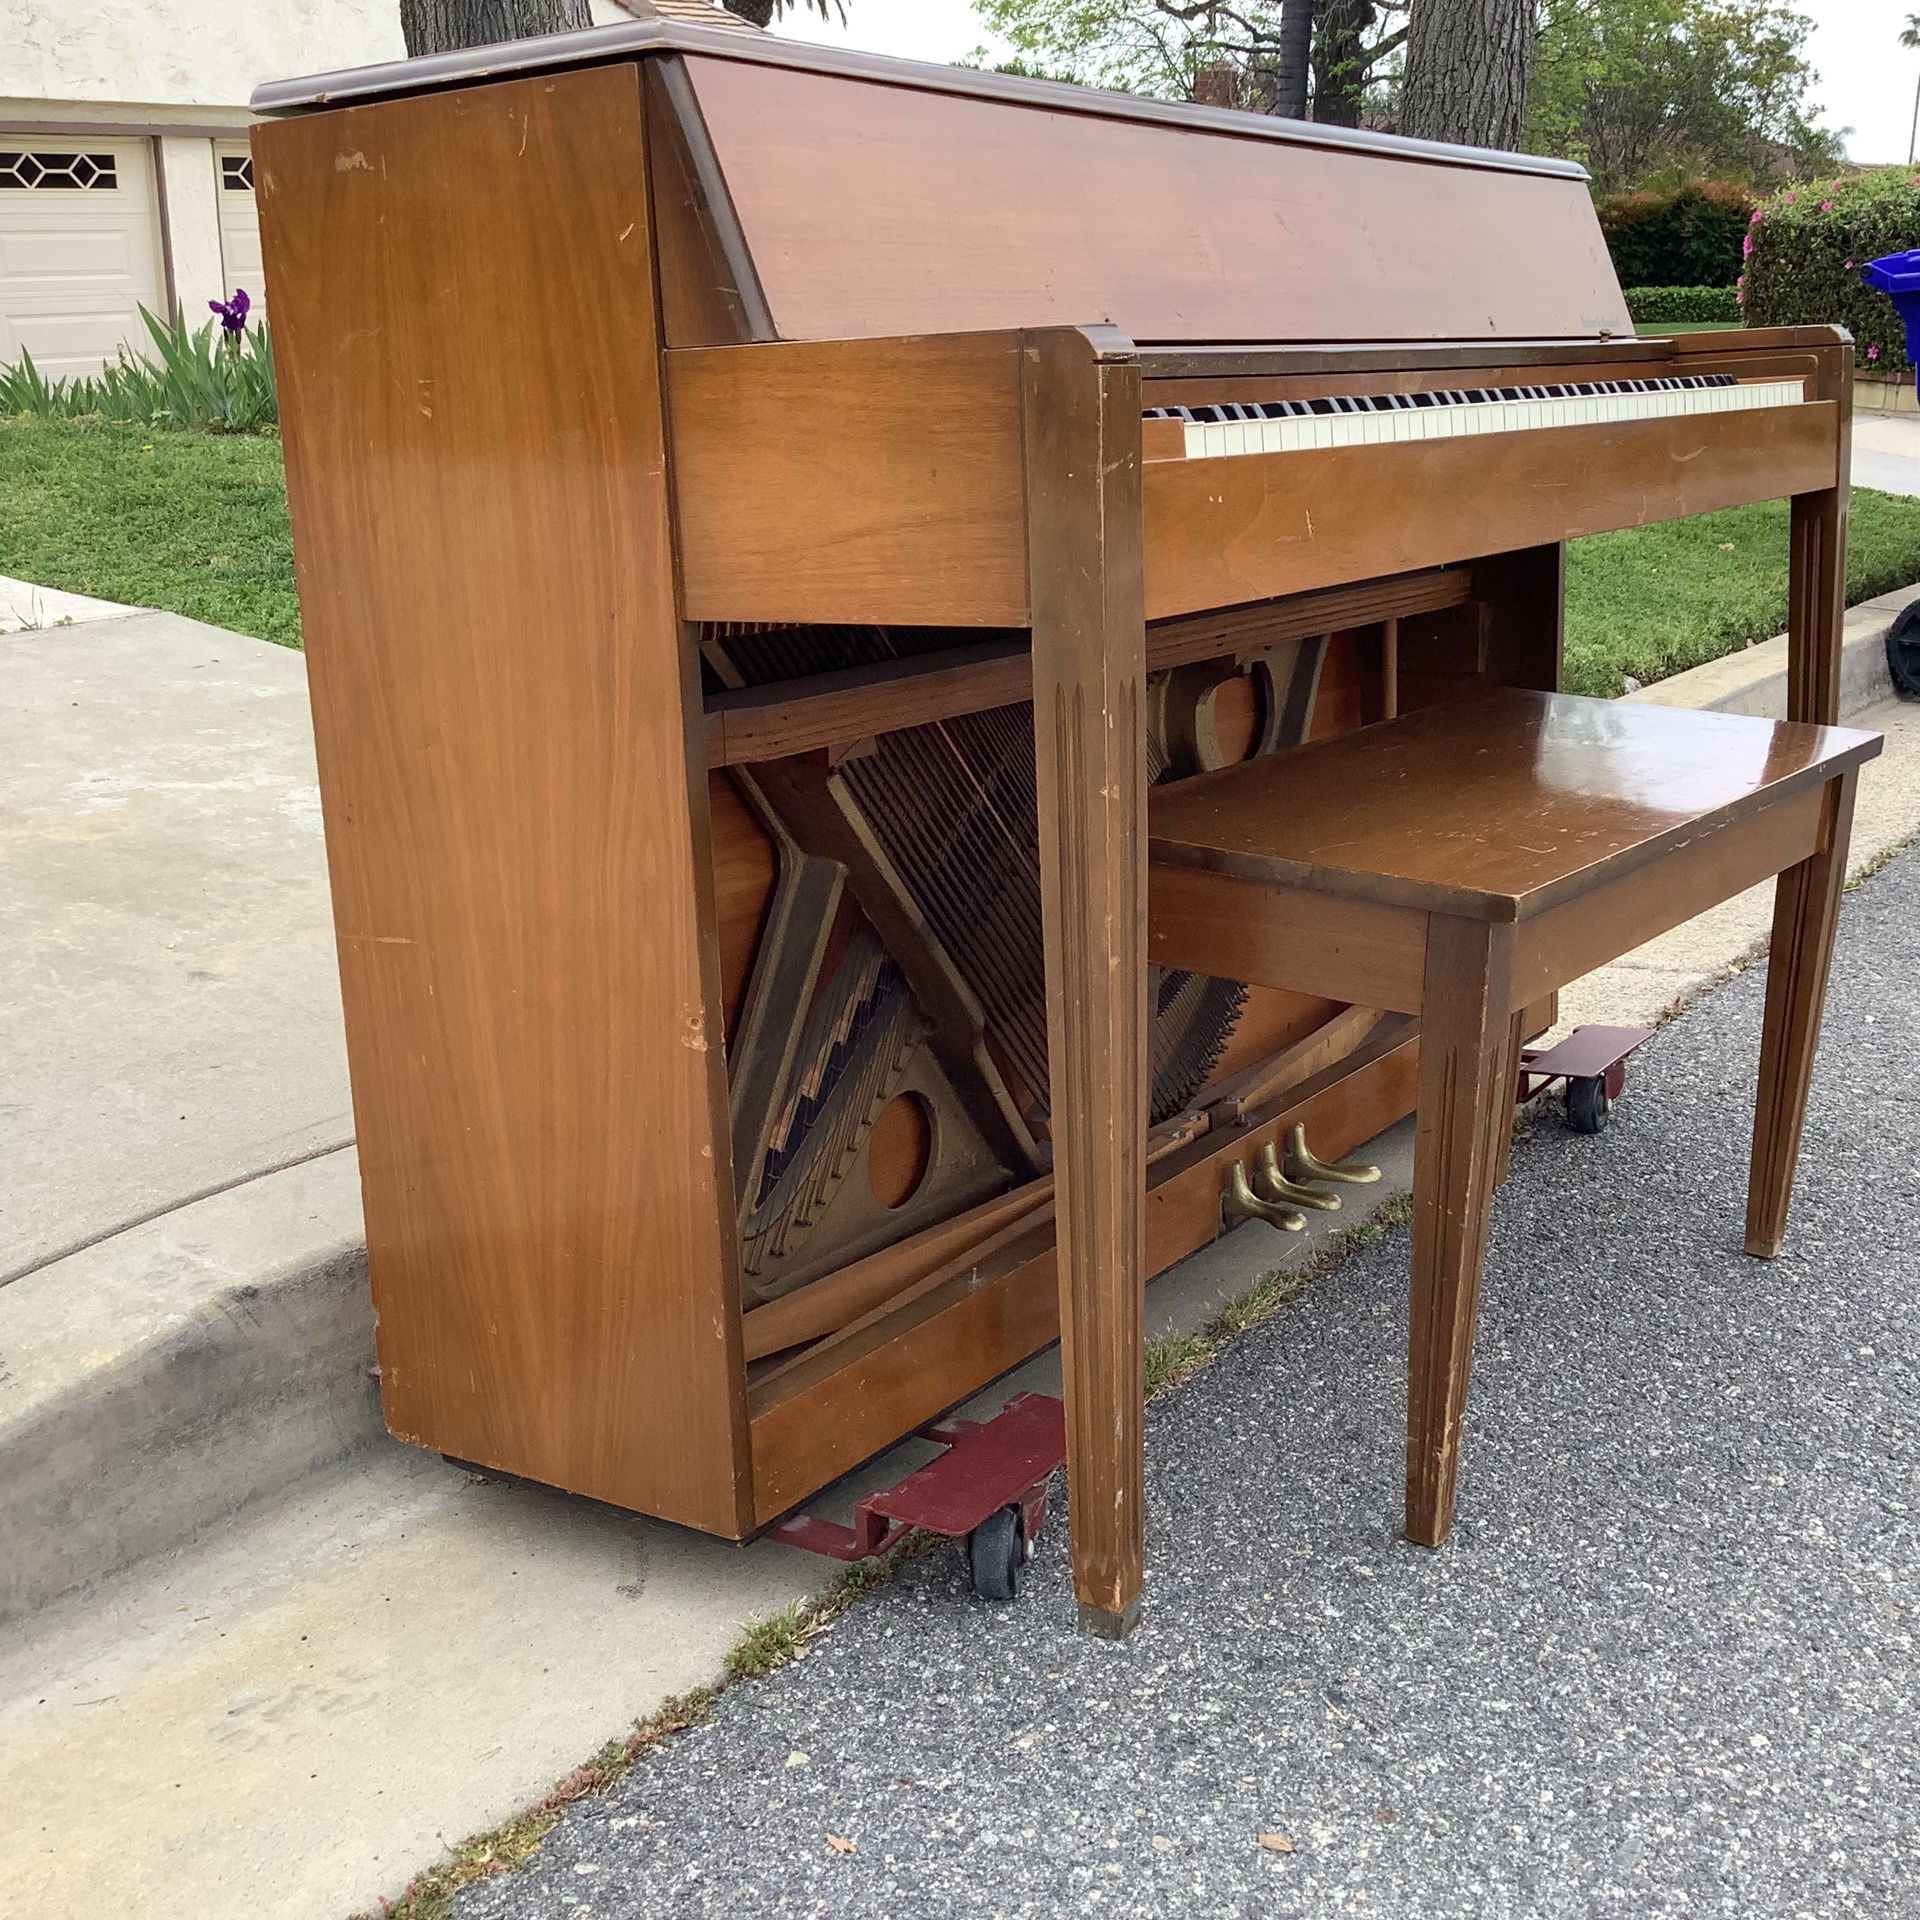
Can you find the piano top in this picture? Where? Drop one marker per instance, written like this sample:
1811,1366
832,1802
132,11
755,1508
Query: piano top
860,197
637,39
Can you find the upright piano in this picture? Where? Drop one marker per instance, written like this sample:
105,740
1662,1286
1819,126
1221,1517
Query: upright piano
764,517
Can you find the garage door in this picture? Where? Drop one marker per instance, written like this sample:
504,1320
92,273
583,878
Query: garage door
240,222
79,248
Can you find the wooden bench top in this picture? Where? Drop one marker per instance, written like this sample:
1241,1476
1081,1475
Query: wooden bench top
1493,806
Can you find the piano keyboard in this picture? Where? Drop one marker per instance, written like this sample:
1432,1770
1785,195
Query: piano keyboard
1385,419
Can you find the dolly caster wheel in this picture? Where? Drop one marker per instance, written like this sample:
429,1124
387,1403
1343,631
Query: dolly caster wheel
996,1551
1588,1104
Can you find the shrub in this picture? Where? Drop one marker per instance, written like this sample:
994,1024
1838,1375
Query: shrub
1684,306
1685,237
1807,246
198,380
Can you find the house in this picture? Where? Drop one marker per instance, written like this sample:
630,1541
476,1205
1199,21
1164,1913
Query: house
125,179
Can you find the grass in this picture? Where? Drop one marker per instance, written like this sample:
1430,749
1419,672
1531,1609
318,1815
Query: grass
193,522
198,523
1656,600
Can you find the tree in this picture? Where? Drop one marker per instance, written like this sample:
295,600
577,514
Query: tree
763,12
1293,59
1468,64
1910,38
1651,92
1350,45
1280,56
438,26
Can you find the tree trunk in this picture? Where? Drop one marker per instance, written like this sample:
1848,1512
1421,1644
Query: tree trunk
1468,64
439,26
1340,61
1292,59
760,12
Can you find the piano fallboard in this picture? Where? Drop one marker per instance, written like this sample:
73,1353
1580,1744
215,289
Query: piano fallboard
907,454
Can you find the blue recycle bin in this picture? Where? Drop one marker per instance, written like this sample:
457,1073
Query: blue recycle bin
1897,275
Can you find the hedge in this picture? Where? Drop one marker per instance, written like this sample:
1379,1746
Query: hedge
1806,247
1686,237
1683,306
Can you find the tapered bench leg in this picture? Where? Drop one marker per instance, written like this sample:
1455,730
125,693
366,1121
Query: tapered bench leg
1503,1156
1466,1105
1806,910
1090,772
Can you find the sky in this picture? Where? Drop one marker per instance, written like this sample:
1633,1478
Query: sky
1867,79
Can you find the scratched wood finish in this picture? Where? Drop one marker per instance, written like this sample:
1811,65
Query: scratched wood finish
1251,526
874,481
1081,409
1817,566
744,869
1805,913
709,290
1465,1109
464,331
1424,813
876,209
1214,922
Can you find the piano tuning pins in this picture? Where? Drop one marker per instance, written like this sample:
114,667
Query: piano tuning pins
1272,1184
1301,1165
1240,1202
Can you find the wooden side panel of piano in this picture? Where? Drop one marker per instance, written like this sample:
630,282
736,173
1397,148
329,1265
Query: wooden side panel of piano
517,838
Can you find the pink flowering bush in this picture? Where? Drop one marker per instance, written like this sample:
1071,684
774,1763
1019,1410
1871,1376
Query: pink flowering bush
1805,252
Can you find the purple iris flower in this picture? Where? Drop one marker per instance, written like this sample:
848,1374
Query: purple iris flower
233,313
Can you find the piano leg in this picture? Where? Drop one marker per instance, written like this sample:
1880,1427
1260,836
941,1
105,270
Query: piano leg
1467,1067
1806,909
1082,432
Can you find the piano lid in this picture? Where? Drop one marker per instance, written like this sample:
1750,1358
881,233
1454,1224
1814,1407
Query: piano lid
875,197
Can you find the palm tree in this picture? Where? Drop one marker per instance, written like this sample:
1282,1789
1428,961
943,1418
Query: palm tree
1910,37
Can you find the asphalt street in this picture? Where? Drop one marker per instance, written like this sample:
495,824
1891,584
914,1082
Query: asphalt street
1666,1666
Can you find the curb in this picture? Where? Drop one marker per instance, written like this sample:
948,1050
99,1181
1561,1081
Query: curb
155,1383
1754,681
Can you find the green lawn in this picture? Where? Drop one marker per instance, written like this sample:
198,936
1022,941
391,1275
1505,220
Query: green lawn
198,523
194,522
1656,600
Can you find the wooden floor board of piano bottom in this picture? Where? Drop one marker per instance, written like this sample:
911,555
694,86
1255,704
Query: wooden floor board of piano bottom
851,1396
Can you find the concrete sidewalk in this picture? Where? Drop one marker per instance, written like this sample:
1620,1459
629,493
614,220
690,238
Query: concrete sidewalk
183,1311
1886,452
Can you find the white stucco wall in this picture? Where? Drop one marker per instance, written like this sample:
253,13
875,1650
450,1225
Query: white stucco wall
183,53
189,188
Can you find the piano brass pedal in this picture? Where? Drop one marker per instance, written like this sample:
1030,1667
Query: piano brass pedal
1301,1165
1270,1183
1240,1202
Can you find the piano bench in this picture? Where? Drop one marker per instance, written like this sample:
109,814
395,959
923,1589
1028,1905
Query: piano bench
1466,860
